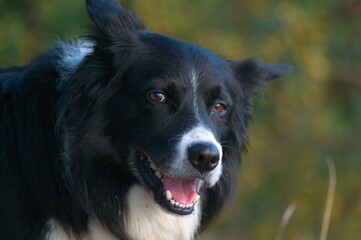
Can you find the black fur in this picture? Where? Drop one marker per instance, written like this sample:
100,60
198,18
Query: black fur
65,143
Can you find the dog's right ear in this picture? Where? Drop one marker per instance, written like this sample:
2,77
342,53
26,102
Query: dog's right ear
110,18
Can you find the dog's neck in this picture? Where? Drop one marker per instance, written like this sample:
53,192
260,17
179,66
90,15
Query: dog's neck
144,219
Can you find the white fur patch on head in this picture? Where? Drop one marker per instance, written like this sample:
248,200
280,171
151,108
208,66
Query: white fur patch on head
72,55
194,81
146,220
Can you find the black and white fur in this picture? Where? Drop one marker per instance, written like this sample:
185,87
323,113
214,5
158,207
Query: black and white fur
77,126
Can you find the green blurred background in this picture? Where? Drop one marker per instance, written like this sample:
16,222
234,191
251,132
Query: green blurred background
311,115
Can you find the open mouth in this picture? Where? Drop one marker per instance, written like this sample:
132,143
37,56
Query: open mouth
175,195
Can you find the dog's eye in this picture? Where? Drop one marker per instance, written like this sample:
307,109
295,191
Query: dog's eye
157,97
219,107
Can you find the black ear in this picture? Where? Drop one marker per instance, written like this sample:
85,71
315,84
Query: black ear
108,16
254,74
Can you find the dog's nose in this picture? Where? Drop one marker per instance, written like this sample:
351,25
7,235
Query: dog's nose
203,156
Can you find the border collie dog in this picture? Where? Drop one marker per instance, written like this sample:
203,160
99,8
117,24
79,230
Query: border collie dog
125,135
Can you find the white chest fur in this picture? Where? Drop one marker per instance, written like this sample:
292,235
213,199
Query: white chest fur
96,232
145,221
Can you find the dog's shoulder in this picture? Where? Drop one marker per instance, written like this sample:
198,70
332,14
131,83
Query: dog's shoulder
49,69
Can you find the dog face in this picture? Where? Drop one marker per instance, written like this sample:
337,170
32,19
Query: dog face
173,106
176,114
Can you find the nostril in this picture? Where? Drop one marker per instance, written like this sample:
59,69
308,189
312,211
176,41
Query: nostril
203,156
215,159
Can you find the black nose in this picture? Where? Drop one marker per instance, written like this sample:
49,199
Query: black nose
203,156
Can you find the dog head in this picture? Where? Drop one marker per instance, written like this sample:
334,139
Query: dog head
159,112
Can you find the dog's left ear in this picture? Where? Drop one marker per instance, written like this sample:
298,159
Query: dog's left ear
254,74
109,16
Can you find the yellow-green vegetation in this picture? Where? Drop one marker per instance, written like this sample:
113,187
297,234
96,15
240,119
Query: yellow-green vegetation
311,115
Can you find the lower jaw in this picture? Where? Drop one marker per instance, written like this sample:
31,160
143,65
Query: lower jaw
172,208
154,183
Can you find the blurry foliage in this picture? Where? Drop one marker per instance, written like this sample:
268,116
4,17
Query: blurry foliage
312,114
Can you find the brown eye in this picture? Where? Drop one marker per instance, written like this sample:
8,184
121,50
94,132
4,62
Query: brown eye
219,107
157,97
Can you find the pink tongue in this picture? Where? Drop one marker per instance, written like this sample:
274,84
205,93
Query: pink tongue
183,190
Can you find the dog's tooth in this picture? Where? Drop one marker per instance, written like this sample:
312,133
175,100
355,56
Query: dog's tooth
172,202
177,204
196,198
152,166
189,205
158,175
182,205
168,195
